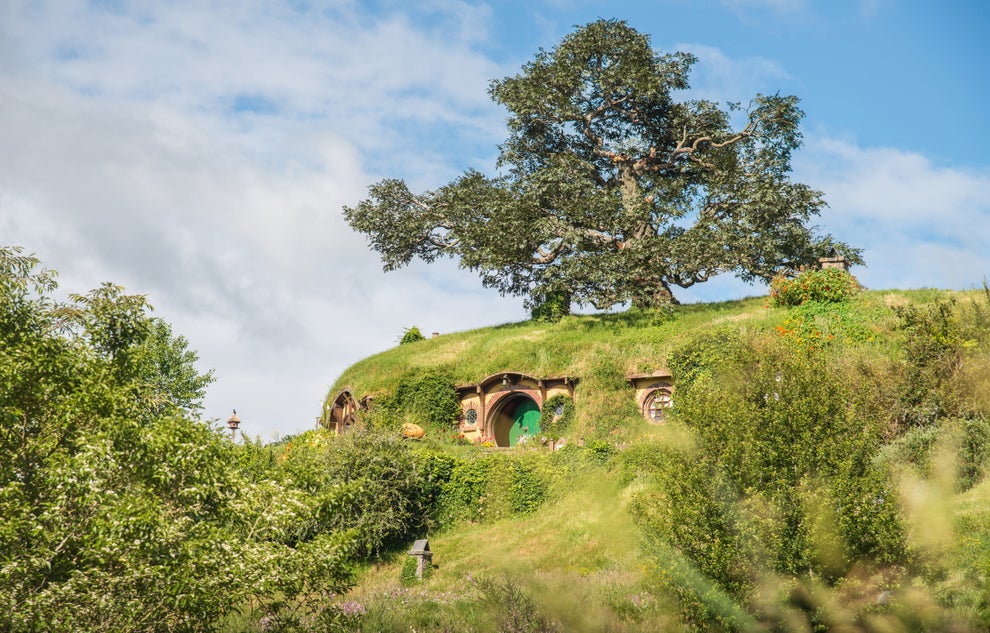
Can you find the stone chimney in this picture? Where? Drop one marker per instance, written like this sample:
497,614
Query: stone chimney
834,260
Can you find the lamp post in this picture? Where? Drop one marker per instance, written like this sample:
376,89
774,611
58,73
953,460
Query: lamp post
233,423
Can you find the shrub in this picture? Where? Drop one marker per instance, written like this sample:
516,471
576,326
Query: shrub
527,488
411,335
703,354
601,451
366,482
513,610
917,447
493,486
461,496
934,349
824,285
765,471
427,398
974,452
551,308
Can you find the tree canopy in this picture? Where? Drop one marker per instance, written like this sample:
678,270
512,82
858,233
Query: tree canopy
611,190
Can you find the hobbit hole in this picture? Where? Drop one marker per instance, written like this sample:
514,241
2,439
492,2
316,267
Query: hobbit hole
504,408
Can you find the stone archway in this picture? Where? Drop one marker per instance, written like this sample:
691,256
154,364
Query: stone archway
515,420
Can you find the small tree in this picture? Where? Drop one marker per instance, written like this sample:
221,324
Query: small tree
610,189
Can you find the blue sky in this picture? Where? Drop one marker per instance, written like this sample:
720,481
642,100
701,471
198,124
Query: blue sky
200,152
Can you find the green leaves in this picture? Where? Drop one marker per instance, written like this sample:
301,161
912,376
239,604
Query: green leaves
111,502
612,190
826,285
424,397
411,335
119,511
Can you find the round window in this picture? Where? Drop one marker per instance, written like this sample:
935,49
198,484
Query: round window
471,416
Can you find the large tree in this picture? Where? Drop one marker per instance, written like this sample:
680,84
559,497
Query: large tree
609,189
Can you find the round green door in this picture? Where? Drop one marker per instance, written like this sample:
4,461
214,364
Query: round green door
525,421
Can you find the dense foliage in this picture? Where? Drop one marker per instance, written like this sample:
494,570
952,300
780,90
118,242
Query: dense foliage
611,189
787,463
824,285
426,398
121,511
551,308
557,416
411,335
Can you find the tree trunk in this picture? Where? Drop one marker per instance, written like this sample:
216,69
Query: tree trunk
654,297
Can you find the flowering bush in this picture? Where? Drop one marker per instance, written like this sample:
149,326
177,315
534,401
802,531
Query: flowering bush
803,333
825,285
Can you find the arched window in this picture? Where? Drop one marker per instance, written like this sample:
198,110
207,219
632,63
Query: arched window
657,404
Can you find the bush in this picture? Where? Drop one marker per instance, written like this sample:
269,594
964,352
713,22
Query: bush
917,448
551,308
360,481
824,285
493,486
934,350
601,451
703,354
975,452
411,335
765,471
512,609
461,497
427,398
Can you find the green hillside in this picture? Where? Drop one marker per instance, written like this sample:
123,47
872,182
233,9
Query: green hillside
823,467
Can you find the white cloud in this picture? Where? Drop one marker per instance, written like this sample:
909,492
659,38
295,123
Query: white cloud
131,163
721,78
921,224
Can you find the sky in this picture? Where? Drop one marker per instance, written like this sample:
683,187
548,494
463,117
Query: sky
200,153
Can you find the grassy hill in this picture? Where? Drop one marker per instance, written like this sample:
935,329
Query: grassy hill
823,468
602,349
